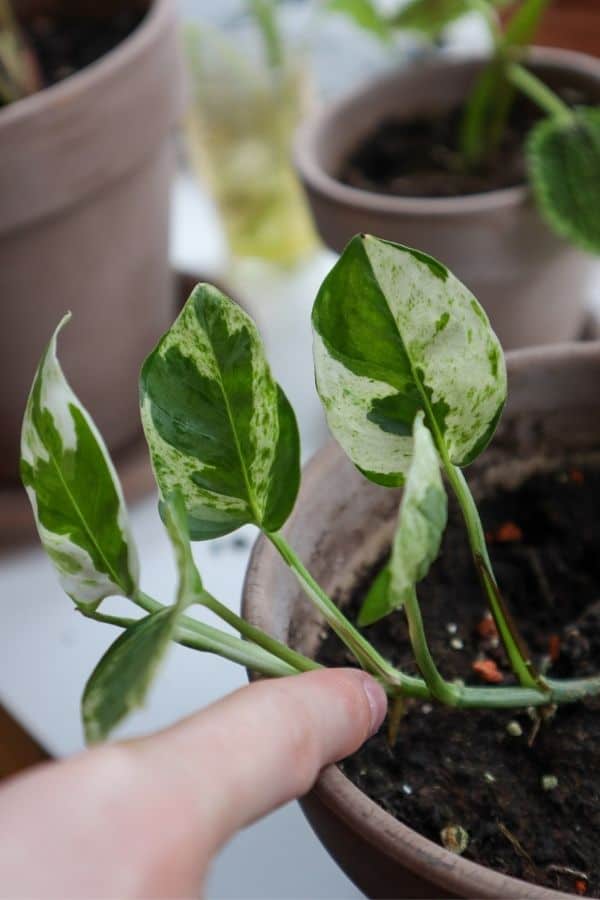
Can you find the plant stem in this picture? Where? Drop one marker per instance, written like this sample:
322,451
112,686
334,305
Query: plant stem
367,656
441,689
530,85
262,639
515,648
264,13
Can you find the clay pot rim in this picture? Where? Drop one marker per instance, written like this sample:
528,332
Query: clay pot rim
378,827
92,76
308,139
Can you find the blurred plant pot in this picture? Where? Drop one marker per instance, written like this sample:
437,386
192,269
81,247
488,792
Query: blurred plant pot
84,208
531,282
572,24
240,129
341,527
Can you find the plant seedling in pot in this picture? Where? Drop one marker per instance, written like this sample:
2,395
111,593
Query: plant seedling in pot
413,383
562,149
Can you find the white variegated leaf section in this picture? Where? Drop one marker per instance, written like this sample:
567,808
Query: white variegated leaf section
448,338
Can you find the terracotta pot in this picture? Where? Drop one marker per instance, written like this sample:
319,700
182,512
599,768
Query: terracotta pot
572,24
84,207
342,524
531,282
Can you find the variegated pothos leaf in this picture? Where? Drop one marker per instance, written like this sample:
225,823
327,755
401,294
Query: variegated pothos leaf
74,490
394,333
421,522
219,428
121,680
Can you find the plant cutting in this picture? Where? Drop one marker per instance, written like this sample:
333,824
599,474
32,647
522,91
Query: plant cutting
413,382
447,154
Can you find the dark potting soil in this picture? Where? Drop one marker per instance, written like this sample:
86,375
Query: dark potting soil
65,44
453,767
420,157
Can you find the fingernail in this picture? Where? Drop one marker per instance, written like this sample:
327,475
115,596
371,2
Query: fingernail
377,700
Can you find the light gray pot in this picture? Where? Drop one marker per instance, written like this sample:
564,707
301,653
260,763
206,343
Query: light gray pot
531,282
85,172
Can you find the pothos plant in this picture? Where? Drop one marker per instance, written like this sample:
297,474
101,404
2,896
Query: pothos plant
562,149
413,383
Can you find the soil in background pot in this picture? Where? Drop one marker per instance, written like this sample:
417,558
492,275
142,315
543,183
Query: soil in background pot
65,43
420,157
474,769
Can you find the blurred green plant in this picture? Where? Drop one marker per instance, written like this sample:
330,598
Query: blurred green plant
562,150
17,69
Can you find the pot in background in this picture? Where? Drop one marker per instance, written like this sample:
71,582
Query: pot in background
341,526
531,282
84,208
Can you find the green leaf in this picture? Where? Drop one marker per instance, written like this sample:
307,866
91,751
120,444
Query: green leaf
395,333
219,428
122,678
376,604
422,518
430,17
365,14
421,522
74,490
190,584
564,166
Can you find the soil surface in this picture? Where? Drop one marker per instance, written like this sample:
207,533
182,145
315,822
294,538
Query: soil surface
452,767
420,157
65,44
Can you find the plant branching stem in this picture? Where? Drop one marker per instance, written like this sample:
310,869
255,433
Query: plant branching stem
509,635
441,689
530,85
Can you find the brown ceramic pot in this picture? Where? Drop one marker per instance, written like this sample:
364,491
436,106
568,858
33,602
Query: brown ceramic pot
572,24
531,282
341,524
84,205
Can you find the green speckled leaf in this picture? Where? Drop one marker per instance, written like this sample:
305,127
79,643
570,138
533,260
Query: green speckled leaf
121,680
421,523
430,17
564,165
219,428
74,491
394,333
364,13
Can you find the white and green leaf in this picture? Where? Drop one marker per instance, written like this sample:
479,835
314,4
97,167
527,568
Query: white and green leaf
394,333
421,522
564,166
74,490
220,429
121,680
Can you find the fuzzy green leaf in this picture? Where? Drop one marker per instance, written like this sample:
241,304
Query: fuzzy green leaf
421,522
121,680
219,428
365,14
74,491
376,604
394,333
430,17
564,166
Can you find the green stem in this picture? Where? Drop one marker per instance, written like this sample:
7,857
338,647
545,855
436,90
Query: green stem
441,689
262,639
530,85
265,16
515,648
367,656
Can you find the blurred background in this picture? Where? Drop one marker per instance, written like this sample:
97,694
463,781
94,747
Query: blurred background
143,147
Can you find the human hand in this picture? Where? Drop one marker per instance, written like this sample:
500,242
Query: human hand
144,818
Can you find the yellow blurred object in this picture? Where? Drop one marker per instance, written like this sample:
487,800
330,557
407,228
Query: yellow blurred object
240,129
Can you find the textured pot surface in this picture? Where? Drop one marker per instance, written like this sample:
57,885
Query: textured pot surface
343,523
84,205
531,282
